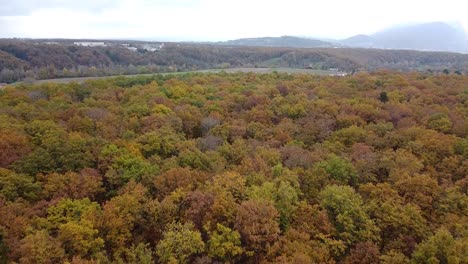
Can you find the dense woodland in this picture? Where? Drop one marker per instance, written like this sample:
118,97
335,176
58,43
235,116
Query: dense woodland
236,168
34,59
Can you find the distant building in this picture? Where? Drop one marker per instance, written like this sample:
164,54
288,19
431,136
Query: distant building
342,74
132,48
336,72
152,47
90,44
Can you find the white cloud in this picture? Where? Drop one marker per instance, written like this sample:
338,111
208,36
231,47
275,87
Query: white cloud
220,20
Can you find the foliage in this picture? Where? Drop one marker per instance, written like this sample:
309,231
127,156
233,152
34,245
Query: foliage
346,208
236,168
442,247
180,241
224,243
14,186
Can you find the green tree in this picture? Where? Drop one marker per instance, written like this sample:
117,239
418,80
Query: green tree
162,142
281,194
440,122
350,219
180,241
224,244
14,186
392,215
139,254
350,135
441,248
122,165
68,210
339,169
383,97
80,238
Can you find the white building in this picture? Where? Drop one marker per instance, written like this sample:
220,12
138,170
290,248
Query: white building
152,47
90,44
342,74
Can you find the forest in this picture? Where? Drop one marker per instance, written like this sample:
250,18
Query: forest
236,168
27,59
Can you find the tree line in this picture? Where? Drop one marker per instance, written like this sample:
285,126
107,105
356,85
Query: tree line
32,59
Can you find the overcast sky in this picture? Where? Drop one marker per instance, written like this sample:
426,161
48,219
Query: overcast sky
217,19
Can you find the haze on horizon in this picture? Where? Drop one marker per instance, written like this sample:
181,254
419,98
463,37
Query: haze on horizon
216,20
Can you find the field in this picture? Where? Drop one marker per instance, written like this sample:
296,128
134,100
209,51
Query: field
228,70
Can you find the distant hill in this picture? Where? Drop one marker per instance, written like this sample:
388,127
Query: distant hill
284,41
36,59
436,36
362,41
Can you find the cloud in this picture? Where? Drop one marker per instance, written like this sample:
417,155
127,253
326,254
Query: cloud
216,19
26,7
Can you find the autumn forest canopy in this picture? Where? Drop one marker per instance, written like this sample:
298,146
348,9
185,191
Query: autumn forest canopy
234,168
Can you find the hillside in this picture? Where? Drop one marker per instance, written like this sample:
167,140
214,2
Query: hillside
21,59
362,41
436,36
284,42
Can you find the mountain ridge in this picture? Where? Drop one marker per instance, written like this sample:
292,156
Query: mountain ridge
433,36
283,41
